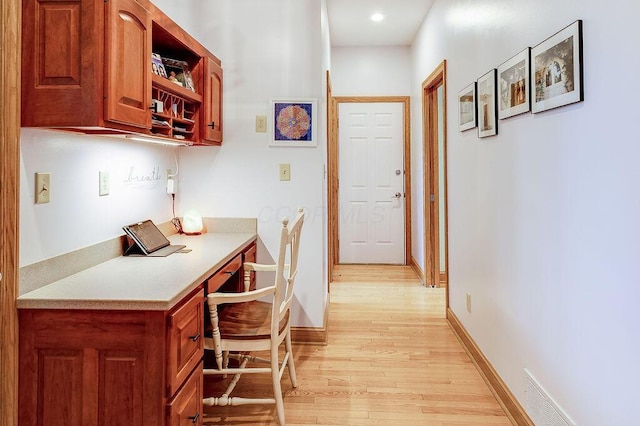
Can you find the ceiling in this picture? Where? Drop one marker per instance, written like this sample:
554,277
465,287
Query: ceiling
349,22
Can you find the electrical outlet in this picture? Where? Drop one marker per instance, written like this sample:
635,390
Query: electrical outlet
285,171
43,188
468,302
104,183
261,124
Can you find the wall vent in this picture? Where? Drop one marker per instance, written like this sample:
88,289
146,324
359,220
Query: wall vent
541,408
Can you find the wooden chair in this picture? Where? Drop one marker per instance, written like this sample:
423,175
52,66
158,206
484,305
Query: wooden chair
246,324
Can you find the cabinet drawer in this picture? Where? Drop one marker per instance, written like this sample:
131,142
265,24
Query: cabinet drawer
222,276
186,408
250,254
185,331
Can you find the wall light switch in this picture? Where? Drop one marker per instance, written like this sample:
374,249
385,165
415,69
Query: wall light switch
261,124
285,171
43,188
104,182
468,302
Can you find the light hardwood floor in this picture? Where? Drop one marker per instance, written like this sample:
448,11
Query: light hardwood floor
391,359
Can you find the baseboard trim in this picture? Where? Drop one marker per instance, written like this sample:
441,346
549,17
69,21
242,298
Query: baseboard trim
309,335
505,398
414,265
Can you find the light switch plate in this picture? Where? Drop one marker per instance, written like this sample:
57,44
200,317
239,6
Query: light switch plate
285,171
261,124
104,182
43,188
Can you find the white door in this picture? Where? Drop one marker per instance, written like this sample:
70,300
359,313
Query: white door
371,207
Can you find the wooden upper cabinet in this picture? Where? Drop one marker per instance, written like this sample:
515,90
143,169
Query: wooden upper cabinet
86,67
85,64
128,47
212,124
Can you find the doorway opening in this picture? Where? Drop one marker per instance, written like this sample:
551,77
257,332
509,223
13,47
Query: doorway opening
434,150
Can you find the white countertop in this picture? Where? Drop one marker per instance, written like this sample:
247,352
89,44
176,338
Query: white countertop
141,283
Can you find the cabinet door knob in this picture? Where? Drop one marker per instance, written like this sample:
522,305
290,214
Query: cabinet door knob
194,418
212,125
195,338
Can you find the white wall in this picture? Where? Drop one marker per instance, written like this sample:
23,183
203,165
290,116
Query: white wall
268,49
543,218
77,216
371,71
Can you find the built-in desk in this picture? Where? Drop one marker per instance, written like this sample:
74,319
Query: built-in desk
120,343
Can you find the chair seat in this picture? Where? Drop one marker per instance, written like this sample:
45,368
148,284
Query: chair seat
247,321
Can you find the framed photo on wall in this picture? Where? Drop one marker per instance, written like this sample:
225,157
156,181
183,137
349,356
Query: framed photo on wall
294,122
487,105
513,85
556,78
467,112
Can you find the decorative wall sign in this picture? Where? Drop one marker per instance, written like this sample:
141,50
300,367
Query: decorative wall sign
487,105
513,85
467,112
556,78
293,122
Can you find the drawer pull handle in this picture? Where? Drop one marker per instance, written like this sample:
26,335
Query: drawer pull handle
229,272
195,338
194,419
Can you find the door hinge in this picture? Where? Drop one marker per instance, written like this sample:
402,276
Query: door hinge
433,198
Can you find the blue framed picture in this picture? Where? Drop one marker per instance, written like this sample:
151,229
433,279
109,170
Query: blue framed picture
293,122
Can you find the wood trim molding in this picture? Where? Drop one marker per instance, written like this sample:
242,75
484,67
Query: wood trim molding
505,398
332,165
418,270
10,14
431,175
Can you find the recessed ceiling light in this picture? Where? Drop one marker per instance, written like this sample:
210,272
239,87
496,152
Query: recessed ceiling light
377,17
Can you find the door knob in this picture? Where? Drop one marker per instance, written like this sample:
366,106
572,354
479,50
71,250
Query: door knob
397,195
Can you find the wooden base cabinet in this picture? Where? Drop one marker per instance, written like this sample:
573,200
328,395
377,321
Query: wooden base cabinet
128,368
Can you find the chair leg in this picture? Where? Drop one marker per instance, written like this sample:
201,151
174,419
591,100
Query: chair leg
290,364
277,389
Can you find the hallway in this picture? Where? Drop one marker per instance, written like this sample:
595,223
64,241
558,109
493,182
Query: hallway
391,358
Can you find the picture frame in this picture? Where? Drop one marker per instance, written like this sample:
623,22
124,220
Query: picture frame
487,105
514,85
557,70
467,107
157,66
293,122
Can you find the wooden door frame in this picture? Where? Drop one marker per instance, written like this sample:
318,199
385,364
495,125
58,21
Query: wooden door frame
332,168
431,209
10,67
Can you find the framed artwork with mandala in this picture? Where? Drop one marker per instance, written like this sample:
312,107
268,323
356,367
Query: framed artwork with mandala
293,122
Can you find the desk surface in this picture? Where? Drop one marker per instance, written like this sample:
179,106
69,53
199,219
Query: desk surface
141,283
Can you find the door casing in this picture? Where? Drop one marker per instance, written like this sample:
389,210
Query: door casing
431,176
10,14
332,170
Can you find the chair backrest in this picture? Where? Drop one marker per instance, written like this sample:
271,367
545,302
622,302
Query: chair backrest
286,268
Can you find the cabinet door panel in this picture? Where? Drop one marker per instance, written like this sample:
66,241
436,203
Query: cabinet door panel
59,59
60,394
128,50
121,388
212,124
